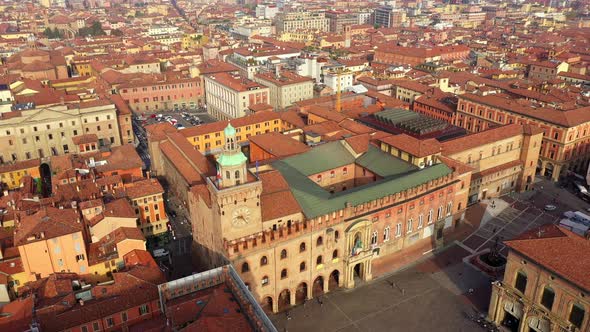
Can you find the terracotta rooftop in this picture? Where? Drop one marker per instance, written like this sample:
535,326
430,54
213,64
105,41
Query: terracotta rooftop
276,199
278,144
473,140
235,82
143,188
45,224
284,78
414,146
558,250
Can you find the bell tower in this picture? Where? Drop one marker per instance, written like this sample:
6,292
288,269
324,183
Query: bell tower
232,161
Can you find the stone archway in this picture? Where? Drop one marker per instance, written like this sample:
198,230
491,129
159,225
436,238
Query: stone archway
358,271
267,303
301,293
334,280
284,301
317,287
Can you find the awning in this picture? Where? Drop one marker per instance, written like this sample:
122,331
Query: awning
539,324
515,309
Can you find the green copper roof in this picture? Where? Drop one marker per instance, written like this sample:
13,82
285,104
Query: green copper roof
229,130
233,159
323,157
384,164
316,201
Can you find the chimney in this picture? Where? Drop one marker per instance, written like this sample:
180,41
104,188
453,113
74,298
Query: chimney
5,193
77,188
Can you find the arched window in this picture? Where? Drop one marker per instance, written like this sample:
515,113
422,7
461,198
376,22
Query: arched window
146,208
284,274
577,315
302,267
344,171
283,253
430,216
245,267
440,213
336,235
227,175
386,234
374,238
548,297
420,221
320,241
319,260
410,225
263,261
237,175
335,254
302,247
332,174
520,282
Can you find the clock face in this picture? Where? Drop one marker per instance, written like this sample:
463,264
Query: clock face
241,216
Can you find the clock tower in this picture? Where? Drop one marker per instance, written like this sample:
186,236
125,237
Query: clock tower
236,192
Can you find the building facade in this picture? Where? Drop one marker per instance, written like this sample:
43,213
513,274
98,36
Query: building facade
40,133
163,95
229,95
286,88
566,133
302,20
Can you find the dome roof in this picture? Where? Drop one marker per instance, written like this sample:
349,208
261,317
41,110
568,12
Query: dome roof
229,130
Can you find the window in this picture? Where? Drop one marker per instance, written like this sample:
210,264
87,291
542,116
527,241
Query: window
420,221
264,281
284,274
110,322
410,225
84,328
440,213
143,309
95,326
577,315
547,298
302,247
449,208
374,238
336,235
319,260
283,253
520,282
245,267
332,174
398,230
386,234
430,216
263,261
344,171
302,267
335,254
320,241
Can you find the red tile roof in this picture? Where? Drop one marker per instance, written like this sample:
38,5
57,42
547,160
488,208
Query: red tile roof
558,250
416,147
491,135
47,223
278,144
